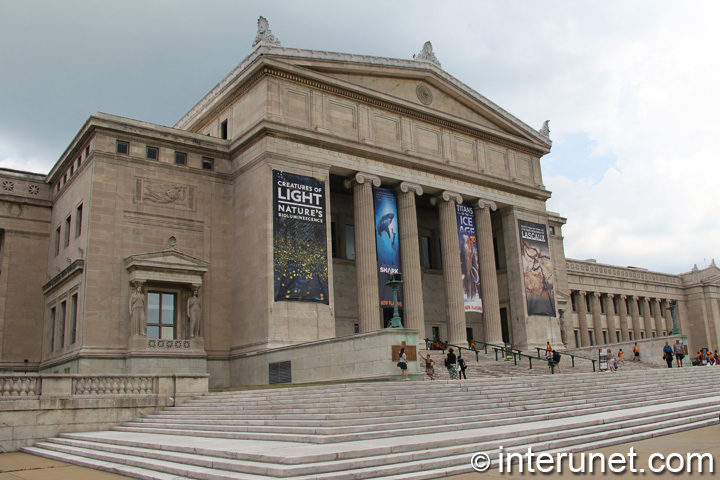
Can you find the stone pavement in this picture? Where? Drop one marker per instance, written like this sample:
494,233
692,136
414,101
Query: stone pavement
21,466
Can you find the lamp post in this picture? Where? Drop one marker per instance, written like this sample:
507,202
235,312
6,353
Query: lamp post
672,306
394,283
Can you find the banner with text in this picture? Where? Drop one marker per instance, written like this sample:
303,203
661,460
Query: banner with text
537,269
469,258
388,243
299,238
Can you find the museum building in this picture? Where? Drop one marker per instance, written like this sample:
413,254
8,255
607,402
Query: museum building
275,212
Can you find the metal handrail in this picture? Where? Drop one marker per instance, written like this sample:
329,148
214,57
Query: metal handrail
571,355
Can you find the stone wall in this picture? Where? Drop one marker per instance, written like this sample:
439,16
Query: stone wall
34,407
362,356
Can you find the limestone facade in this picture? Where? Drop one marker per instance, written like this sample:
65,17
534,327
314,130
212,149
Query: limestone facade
168,211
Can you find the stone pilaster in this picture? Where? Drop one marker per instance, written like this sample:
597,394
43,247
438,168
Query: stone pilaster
582,319
413,308
658,317
452,270
488,274
635,314
365,251
597,320
610,314
623,318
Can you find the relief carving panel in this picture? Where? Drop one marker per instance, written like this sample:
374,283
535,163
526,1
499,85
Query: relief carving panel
166,194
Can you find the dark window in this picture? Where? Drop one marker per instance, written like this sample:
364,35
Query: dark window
350,242
591,334
73,318
52,329
552,230
617,334
577,338
356,327
631,334
333,241
495,252
627,304
79,161
57,241
642,335
573,297
64,179
153,153
605,336
78,221
123,147
68,222
223,130
602,306
72,170
87,152
653,334
587,303
640,309
57,187
208,163
61,325
180,158
615,304
161,315
436,334
426,252
650,306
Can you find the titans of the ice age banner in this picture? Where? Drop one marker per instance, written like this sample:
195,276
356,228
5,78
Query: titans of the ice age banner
537,269
469,258
299,238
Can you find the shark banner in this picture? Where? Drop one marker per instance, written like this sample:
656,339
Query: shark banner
299,238
469,258
388,243
537,269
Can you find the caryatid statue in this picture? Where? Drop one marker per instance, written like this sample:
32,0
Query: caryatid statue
137,312
194,313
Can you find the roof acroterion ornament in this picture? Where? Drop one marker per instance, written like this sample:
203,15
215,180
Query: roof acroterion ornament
545,129
427,55
264,35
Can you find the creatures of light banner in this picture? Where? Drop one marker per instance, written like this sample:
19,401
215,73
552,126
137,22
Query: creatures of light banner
388,248
537,269
299,238
469,258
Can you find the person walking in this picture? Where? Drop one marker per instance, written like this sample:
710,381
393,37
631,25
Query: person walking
403,364
462,366
620,357
636,353
679,355
612,364
429,366
548,350
554,360
668,354
451,364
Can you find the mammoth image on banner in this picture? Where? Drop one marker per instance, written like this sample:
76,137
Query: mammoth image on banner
537,269
469,258
388,243
299,238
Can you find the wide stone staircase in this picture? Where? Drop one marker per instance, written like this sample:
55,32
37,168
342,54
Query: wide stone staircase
485,365
393,429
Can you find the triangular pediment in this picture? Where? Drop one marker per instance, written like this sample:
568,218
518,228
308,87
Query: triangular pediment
166,259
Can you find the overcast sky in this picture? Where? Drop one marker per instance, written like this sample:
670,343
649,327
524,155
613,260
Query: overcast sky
630,88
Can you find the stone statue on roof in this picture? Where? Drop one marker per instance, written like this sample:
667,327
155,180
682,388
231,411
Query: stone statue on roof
427,54
264,35
545,129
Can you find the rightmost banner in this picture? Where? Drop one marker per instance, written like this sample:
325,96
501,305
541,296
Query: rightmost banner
537,268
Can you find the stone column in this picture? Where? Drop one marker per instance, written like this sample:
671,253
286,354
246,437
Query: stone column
368,294
610,314
488,274
668,316
635,318
623,319
647,318
452,270
658,317
413,308
582,319
597,321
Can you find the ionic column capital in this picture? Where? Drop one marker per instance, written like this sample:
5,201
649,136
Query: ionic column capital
360,178
624,297
583,293
406,187
597,294
610,295
483,204
446,196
